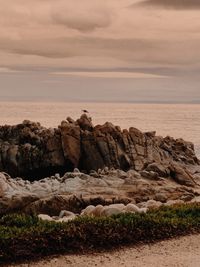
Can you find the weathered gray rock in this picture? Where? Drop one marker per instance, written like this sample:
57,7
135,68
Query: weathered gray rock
75,191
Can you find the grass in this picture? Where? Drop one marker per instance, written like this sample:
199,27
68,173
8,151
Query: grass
27,237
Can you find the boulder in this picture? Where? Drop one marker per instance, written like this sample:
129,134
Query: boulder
66,213
109,211
158,168
97,211
181,175
85,123
151,175
45,217
131,208
88,211
67,218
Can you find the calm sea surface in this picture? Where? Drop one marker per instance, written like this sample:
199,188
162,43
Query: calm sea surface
174,120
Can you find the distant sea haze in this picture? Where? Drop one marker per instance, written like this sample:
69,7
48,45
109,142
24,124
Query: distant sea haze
179,121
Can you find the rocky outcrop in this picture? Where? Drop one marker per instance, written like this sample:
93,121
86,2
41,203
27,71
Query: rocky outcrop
117,166
75,191
32,151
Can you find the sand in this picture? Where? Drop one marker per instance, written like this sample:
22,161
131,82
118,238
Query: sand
180,252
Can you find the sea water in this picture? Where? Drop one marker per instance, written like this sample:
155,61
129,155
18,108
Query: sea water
179,121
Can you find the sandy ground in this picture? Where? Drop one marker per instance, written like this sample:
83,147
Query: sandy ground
184,251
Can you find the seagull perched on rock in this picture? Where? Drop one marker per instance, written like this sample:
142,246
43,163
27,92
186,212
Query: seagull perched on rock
85,111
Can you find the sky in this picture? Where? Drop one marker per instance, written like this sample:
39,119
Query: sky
94,50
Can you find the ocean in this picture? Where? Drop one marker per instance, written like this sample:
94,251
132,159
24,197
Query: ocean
179,121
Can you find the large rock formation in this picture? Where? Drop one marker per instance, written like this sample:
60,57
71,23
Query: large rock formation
117,166
32,151
75,190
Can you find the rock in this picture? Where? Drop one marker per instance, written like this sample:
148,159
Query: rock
187,197
70,120
32,151
161,197
54,204
109,211
76,170
119,206
158,168
174,202
150,204
88,211
85,122
66,213
97,211
151,175
143,210
127,165
195,200
131,208
45,217
67,218
3,185
181,175
71,144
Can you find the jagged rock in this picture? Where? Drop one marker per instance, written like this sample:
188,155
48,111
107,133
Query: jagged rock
71,144
70,120
85,122
32,151
181,175
128,166
150,175
158,168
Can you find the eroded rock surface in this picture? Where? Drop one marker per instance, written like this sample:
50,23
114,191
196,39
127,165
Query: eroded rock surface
122,166
76,191
32,151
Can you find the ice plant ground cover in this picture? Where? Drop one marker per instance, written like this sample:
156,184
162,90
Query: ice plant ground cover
27,237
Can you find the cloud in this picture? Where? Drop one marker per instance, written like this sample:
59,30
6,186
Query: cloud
172,4
95,33
6,70
110,74
84,18
137,51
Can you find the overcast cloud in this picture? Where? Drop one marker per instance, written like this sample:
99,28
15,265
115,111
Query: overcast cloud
174,4
76,38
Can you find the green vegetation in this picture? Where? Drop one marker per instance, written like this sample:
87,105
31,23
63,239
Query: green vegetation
23,236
